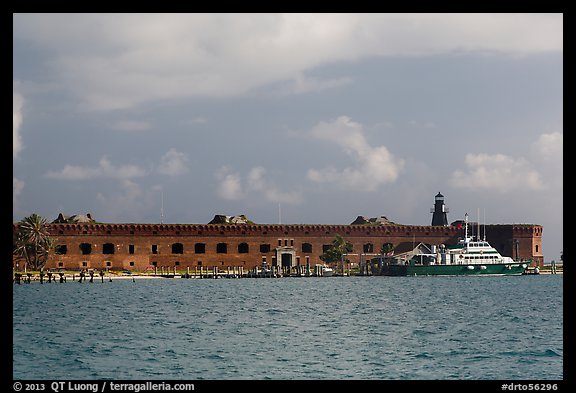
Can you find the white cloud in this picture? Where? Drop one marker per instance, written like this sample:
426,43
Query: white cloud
548,157
104,170
229,186
375,165
17,104
497,172
114,61
173,163
256,184
542,170
550,146
256,178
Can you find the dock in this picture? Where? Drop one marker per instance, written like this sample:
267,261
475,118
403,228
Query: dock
231,272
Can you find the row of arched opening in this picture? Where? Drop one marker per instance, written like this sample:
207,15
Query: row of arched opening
176,248
201,248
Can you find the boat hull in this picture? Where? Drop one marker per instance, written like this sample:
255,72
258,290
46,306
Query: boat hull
327,273
455,270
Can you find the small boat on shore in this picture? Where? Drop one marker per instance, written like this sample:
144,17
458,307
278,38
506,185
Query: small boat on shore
532,270
470,256
327,271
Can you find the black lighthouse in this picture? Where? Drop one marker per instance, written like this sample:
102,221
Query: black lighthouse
439,217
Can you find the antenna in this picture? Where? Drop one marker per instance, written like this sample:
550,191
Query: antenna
484,224
279,214
162,206
478,234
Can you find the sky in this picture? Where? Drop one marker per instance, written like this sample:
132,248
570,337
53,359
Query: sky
290,118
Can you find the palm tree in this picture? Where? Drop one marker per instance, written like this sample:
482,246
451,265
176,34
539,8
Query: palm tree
32,242
339,247
386,248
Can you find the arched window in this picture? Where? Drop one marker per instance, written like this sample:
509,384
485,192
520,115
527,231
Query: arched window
200,248
177,248
222,248
306,247
61,249
108,248
264,248
243,248
368,247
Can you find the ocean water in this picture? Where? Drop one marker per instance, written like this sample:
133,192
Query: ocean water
369,328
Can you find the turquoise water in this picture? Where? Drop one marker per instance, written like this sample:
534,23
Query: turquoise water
392,328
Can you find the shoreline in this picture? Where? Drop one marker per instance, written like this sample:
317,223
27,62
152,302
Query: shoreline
76,277
109,278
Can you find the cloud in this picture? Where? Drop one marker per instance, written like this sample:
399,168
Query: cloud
497,172
375,166
17,187
502,173
130,202
301,84
230,187
173,163
550,146
548,157
115,61
17,104
105,169
257,183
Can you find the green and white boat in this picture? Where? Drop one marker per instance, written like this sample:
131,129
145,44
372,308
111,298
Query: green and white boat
468,257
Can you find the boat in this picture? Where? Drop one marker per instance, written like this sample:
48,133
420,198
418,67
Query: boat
470,256
532,270
327,271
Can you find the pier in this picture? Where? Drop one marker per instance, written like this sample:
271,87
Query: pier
199,272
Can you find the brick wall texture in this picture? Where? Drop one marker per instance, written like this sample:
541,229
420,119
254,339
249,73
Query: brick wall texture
141,247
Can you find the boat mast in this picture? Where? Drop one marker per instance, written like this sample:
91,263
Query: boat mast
484,239
466,227
478,234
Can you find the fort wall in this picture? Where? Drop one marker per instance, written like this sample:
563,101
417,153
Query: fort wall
144,246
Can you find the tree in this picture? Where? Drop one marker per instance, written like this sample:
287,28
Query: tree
32,242
386,248
334,253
